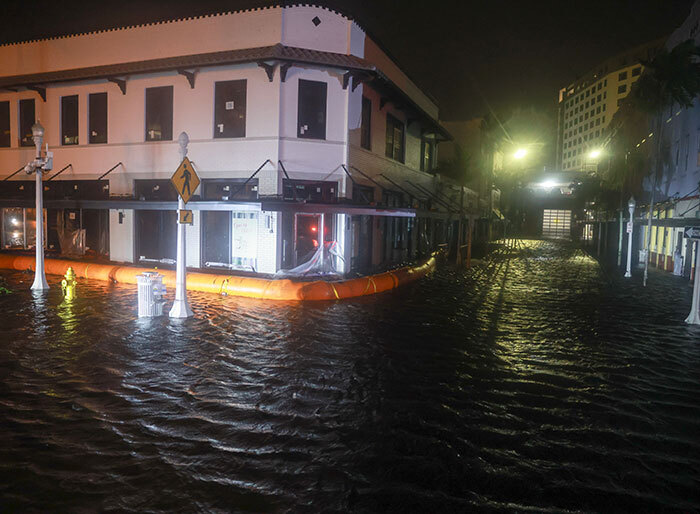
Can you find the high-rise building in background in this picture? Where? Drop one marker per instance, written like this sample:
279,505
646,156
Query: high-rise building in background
587,105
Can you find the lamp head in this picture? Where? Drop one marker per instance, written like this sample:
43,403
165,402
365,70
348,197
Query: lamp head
38,130
631,204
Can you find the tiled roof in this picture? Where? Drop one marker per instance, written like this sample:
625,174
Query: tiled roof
266,53
278,53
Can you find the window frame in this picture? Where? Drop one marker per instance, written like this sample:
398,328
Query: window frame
394,123
424,144
93,113
25,138
166,128
237,87
304,115
67,103
6,137
366,124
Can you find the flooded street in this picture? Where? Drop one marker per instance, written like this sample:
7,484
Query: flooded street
534,381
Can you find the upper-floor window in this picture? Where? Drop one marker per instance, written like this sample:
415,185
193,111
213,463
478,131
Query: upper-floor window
636,71
230,108
97,113
365,127
427,155
159,113
26,120
4,124
394,138
311,115
69,120
622,76
622,89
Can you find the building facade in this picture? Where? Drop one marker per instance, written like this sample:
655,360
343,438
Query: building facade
304,132
587,105
677,195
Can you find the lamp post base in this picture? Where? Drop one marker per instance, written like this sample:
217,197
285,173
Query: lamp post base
180,309
40,283
628,274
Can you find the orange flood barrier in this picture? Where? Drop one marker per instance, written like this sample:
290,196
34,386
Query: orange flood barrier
276,289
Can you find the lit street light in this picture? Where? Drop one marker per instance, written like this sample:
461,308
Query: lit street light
594,154
520,153
38,165
630,230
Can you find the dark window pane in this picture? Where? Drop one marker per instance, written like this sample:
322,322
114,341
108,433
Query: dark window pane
312,109
69,120
427,152
216,238
159,113
230,189
310,190
229,108
365,128
98,117
5,124
26,120
394,138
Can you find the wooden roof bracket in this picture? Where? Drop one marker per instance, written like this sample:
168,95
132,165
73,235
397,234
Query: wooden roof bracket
119,82
360,78
189,75
269,69
284,68
40,90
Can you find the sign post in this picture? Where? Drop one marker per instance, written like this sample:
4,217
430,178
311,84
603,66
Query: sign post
186,181
694,316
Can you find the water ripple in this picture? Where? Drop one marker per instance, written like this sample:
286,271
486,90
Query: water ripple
534,382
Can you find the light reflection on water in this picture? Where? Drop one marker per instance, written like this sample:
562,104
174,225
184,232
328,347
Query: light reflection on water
530,382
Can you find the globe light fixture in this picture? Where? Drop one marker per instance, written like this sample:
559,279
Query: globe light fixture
520,153
594,154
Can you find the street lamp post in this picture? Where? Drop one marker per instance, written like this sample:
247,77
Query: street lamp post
39,165
630,232
181,308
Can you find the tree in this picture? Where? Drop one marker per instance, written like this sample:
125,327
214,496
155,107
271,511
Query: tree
669,78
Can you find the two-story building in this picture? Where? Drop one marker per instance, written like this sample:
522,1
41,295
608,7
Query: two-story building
304,132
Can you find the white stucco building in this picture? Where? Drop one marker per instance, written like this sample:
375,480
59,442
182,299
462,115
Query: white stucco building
342,140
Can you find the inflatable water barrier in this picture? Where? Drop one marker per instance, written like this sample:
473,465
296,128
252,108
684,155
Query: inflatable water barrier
268,289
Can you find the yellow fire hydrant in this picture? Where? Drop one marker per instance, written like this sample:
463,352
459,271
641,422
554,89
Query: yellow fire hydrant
68,284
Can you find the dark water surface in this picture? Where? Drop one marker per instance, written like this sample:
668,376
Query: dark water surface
534,382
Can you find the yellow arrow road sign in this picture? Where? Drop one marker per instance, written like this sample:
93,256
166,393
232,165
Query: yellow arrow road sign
186,217
185,180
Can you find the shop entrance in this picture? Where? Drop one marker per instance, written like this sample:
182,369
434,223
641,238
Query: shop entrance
362,244
311,230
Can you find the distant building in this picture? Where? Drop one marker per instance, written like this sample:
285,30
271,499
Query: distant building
587,105
299,123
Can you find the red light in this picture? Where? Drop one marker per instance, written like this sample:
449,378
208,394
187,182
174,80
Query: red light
313,229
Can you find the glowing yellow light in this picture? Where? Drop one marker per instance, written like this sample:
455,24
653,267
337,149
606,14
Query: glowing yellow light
520,153
594,154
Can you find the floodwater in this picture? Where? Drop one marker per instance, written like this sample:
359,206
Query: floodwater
533,382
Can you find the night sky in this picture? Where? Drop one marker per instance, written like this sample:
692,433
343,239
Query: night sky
511,53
